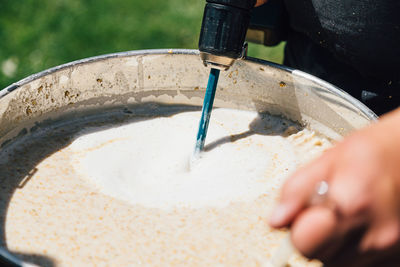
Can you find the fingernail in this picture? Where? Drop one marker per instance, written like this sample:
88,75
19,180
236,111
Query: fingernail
278,216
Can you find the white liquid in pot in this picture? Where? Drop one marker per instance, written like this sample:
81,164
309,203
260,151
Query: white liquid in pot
148,162
125,196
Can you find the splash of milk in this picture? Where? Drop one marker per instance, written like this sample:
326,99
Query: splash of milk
147,162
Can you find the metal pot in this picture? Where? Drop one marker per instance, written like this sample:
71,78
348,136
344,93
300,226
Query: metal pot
175,77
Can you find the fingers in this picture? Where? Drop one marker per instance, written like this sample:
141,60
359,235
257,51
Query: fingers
312,229
384,228
381,236
299,189
351,197
350,254
321,229
363,179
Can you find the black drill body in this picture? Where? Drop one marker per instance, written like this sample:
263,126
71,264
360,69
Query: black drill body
223,30
222,36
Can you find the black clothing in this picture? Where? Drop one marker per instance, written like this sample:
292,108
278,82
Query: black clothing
354,44
379,95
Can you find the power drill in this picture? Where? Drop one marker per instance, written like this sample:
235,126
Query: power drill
222,36
223,31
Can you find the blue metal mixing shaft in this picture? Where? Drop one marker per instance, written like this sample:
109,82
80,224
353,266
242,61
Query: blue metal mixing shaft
206,112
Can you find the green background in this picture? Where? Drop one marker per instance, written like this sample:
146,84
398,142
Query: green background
36,35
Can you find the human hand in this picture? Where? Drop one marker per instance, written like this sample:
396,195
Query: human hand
359,223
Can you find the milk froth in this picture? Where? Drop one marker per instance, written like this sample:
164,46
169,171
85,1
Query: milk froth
147,162
118,191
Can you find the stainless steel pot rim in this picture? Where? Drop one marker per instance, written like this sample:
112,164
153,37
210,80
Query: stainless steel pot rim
5,255
332,88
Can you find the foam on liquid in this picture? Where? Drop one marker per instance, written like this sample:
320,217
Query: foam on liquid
147,162
121,193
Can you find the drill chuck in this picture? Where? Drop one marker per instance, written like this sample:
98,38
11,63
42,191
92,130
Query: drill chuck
223,31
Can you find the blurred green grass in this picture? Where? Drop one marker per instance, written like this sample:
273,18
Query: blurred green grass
36,35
